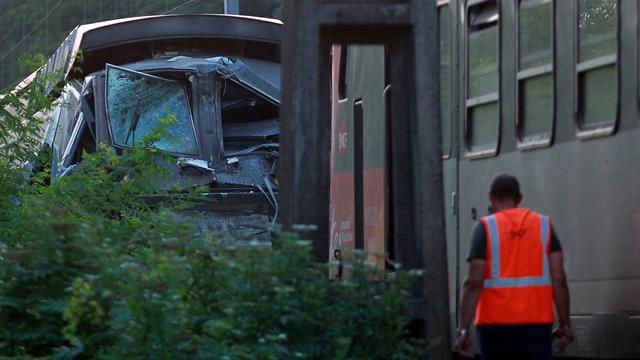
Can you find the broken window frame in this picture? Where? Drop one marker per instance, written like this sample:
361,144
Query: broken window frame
65,160
265,97
195,154
69,102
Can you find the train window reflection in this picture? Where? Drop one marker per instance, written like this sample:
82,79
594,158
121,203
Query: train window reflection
597,64
137,103
483,127
482,86
535,73
536,109
535,33
445,77
483,62
596,86
598,27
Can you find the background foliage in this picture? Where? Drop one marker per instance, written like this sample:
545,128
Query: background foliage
90,270
39,26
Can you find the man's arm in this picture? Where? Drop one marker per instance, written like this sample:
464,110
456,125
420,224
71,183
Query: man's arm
560,287
560,298
471,290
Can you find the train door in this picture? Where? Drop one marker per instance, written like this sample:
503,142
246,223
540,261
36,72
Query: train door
448,64
358,154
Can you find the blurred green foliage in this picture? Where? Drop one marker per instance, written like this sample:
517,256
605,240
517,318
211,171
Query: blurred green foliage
89,270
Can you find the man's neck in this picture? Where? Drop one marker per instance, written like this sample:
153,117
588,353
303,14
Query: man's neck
505,205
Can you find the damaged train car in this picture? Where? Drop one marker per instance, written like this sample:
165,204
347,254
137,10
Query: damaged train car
217,76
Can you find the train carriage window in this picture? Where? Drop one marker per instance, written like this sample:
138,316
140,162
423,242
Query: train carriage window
535,90
358,172
597,72
482,123
342,76
445,77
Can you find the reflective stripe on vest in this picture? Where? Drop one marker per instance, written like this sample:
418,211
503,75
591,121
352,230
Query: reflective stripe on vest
496,280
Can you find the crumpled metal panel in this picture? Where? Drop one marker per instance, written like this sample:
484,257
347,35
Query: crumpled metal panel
248,170
257,130
229,68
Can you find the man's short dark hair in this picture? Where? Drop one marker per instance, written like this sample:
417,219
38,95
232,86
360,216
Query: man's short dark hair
505,187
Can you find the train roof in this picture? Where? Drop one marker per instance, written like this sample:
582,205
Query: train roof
136,38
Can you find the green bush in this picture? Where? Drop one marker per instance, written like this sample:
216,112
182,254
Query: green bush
89,270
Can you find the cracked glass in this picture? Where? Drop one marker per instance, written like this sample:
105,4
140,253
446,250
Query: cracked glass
139,104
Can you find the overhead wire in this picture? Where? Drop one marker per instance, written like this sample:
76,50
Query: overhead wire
180,6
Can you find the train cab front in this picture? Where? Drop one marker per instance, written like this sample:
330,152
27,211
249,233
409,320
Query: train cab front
211,103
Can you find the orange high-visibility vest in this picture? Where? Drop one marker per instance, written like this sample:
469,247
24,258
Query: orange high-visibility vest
517,286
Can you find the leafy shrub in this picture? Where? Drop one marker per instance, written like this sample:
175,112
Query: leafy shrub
89,270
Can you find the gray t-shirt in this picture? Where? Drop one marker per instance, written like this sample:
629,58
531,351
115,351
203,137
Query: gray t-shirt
478,249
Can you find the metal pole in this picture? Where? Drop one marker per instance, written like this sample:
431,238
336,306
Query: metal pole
232,7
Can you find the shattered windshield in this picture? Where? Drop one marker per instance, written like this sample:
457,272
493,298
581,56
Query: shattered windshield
137,103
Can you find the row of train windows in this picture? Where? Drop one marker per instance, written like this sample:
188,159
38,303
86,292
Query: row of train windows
596,72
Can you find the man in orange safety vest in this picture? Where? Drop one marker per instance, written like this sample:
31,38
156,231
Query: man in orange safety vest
515,276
